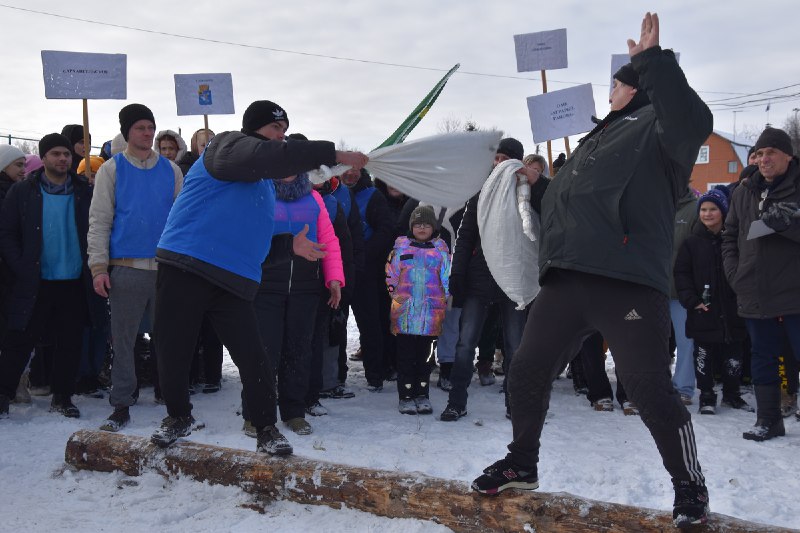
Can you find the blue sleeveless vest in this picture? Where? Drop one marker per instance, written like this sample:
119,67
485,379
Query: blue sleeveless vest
342,194
143,199
225,223
331,204
290,217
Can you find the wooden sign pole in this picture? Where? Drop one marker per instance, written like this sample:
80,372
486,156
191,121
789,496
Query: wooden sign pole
549,147
205,122
87,145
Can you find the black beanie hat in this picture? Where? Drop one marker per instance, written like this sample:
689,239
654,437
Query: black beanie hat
423,215
512,148
775,138
52,140
73,132
560,160
297,137
628,76
131,114
260,113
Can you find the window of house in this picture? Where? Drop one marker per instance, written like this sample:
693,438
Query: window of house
733,167
702,155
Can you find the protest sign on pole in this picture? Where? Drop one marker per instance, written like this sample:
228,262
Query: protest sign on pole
84,76
542,51
204,94
561,113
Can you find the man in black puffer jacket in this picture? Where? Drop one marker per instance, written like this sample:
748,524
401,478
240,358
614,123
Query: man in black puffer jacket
604,263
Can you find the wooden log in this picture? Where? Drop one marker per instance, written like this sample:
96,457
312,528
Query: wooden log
383,493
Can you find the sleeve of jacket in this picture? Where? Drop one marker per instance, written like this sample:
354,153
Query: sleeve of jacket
346,248
356,233
684,278
11,230
101,217
466,239
393,270
380,218
537,193
444,273
730,239
684,120
234,156
332,268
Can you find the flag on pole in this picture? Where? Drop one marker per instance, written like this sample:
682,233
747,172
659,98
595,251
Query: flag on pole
413,119
768,104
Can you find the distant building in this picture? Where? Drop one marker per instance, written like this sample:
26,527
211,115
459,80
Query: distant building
719,161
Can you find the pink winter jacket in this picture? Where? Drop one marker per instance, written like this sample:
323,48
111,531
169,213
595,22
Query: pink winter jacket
332,268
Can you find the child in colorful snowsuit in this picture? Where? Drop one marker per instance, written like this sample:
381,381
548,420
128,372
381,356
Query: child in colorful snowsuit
417,275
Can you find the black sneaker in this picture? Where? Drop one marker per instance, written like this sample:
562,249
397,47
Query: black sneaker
211,388
172,428
62,403
270,440
691,504
337,393
736,402
765,430
117,420
504,474
452,413
4,401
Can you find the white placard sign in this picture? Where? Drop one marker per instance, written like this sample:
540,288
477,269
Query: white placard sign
204,94
617,60
77,75
561,113
545,50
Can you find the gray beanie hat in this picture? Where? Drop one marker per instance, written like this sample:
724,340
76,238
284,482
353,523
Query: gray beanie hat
8,154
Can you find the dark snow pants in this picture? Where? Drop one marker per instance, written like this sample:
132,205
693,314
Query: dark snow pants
182,300
635,321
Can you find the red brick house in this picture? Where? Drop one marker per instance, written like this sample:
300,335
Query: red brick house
720,160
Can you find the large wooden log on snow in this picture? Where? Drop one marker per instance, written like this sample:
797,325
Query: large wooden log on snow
384,493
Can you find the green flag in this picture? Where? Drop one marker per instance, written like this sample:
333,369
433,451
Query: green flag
413,119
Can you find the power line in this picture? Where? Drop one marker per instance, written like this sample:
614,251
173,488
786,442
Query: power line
307,54
752,94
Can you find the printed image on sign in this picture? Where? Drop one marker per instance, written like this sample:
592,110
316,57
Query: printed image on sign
617,60
204,94
561,113
545,50
77,75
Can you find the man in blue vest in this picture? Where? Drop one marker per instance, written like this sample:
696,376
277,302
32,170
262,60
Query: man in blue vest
43,245
133,193
217,236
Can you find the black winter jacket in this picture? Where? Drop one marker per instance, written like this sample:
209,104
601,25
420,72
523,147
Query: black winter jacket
699,263
382,221
611,210
21,242
764,272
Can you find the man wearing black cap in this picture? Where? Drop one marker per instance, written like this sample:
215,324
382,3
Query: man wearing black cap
604,265
43,227
474,289
133,193
217,236
763,270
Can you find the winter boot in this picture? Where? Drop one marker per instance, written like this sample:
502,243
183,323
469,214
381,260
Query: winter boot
603,404
735,401
62,403
316,409
769,423
270,440
691,504
423,404
629,409
452,413
117,420
407,407
23,395
172,428
299,426
485,374
788,403
249,429
708,403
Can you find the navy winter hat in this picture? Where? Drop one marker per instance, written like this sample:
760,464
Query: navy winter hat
512,148
260,113
717,196
627,75
131,114
775,138
53,140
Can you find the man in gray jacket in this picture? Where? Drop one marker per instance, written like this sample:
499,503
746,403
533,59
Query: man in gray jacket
604,260
763,270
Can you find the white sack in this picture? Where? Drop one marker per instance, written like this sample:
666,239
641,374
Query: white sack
512,257
444,170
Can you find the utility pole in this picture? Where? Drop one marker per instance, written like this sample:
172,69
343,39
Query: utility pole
734,124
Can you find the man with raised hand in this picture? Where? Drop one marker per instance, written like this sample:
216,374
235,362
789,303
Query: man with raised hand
604,260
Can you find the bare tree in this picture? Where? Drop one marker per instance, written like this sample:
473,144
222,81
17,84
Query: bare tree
792,127
748,134
27,147
450,124
344,147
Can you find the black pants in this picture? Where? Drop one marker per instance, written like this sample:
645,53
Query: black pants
730,357
413,370
365,305
592,358
285,322
182,299
60,310
208,355
635,321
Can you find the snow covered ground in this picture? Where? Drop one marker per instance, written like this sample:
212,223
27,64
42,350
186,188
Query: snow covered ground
603,456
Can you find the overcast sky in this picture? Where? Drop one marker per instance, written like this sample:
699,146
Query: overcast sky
727,49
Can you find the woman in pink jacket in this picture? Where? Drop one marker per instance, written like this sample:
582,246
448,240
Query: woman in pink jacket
287,300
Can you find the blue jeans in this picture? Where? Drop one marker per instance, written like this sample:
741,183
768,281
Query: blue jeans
448,338
683,379
473,315
766,337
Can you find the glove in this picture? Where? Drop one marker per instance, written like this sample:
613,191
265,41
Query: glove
781,215
457,286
